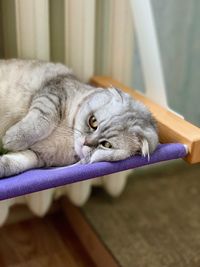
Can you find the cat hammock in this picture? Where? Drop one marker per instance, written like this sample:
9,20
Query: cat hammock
182,140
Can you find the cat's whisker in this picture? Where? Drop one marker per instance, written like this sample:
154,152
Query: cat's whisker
67,130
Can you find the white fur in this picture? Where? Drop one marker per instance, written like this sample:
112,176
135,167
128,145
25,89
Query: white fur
22,161
145,149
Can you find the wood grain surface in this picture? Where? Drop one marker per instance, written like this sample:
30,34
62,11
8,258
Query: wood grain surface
47,242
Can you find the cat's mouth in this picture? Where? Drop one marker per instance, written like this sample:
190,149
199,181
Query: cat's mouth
78,149
86,151
82,150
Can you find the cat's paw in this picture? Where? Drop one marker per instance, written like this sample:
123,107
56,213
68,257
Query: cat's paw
14,140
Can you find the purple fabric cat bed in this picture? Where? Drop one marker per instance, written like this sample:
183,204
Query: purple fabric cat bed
40,179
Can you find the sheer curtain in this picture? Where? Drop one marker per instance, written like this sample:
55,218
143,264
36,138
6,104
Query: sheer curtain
91,36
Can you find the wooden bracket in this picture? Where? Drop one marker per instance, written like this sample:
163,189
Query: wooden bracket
172,128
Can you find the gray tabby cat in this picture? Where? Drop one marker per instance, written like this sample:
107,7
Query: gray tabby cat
49,118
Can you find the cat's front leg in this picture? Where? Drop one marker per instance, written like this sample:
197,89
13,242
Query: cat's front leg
42,118
32,128
18,162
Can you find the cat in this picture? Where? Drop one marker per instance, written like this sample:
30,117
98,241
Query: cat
50,118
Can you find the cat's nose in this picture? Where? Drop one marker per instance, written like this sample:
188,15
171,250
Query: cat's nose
90,142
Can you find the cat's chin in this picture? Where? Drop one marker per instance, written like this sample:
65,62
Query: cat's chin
78,147
83,151
86,151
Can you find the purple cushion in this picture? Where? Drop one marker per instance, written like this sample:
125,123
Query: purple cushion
40,179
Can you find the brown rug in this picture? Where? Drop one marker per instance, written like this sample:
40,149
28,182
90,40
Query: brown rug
156,221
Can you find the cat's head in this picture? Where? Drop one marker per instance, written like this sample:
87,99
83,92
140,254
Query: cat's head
110,126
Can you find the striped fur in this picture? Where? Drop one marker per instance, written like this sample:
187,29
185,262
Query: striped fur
44,114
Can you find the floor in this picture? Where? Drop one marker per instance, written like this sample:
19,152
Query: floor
47,242
155,222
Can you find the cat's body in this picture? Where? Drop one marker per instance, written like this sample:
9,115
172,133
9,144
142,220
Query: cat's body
44,114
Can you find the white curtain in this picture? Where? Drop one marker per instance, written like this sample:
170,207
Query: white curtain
90,36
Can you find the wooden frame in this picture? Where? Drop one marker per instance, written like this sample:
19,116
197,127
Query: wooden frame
171,127
93,245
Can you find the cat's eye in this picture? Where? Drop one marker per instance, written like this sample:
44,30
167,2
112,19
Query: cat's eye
106,144
93,122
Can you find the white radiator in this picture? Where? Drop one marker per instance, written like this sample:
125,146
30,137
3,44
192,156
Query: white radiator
91,46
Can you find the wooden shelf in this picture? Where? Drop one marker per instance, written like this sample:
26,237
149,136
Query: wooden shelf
171,127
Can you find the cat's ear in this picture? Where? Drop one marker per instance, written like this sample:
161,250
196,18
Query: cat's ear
117,93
